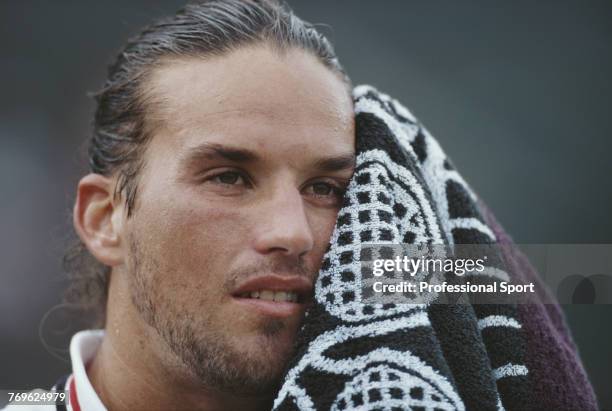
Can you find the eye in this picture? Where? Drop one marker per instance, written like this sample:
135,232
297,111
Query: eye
326,192
323,189
228,178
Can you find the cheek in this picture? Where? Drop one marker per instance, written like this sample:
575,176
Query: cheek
322,226
192,242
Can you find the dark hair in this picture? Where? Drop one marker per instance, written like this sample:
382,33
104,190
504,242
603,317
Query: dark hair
200,29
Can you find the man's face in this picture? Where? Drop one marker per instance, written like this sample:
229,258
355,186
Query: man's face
242,182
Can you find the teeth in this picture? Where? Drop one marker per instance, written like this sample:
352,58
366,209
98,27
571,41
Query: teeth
270,295
280,296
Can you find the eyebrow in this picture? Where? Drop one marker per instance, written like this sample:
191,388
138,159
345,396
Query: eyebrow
214,151
336,163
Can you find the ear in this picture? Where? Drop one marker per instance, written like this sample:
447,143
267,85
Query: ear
98,220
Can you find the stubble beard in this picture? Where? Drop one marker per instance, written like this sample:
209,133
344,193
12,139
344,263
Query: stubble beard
209,356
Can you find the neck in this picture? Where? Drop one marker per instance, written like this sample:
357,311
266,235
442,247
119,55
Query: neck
134,369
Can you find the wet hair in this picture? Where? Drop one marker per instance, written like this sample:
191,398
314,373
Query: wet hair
120,129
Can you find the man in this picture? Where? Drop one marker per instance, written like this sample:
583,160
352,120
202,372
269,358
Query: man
223,140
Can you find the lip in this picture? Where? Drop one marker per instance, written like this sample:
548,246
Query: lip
299,285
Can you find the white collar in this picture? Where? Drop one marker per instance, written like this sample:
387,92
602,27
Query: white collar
83,346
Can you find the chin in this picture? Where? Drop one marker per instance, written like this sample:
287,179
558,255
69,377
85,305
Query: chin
272,349
270,353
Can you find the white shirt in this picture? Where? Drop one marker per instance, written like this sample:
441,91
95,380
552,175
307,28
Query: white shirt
83,346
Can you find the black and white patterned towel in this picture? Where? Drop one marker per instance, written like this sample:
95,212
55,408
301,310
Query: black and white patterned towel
352,355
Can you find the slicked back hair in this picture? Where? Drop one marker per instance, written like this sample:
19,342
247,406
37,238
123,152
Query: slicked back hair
120,134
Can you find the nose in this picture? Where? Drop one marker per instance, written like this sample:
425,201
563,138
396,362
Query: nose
282,225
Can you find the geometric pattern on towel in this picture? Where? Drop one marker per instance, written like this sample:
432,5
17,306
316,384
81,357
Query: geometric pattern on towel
351,355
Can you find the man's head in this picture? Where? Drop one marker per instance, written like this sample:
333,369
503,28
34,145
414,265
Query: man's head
223,141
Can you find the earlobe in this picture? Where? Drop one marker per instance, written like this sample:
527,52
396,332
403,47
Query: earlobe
96,221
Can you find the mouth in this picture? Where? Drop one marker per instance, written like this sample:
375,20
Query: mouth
275,295
271,295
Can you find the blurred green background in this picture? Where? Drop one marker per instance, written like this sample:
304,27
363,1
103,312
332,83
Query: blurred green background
519,94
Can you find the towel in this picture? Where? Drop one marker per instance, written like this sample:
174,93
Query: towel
351,354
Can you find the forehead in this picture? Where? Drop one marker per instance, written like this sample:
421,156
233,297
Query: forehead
252,97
